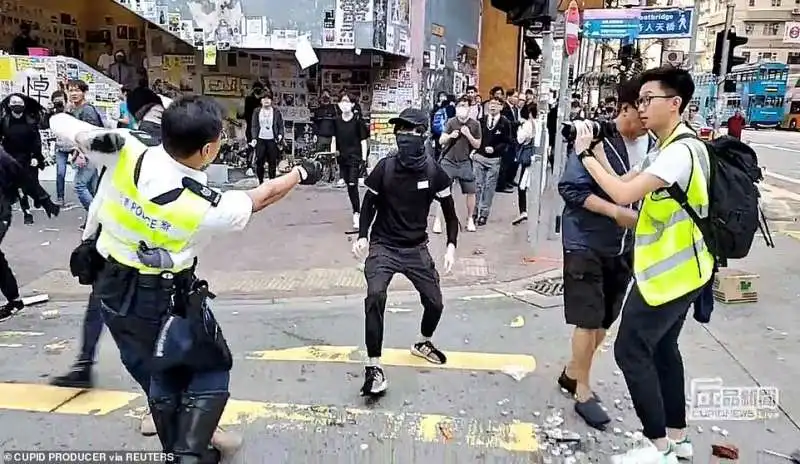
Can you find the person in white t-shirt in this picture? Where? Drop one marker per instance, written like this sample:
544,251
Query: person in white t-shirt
653,314
106,58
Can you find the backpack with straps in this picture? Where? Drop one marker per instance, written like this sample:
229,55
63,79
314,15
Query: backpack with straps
734,214
439,121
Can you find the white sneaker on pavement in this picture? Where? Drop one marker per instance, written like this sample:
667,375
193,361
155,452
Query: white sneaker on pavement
471,225
437,225
147,426
683,449
646,455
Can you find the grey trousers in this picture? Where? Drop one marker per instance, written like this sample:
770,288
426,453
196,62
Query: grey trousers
486,173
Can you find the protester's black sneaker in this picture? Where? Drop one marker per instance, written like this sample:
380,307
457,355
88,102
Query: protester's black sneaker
79,377
428,352
11,308
28,218
375,382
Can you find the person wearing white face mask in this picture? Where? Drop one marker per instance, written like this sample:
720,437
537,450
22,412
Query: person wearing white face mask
461,137
350,141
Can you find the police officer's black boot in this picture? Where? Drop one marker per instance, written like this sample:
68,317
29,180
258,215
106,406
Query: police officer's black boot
197,420
165,417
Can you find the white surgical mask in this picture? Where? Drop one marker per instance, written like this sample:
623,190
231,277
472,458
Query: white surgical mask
346,107
462,113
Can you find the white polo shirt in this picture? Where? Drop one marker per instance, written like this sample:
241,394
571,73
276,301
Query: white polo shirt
159,174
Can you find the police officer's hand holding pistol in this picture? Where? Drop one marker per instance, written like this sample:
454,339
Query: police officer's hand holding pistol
156,211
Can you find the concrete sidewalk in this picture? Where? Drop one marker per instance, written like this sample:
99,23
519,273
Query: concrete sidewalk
295,247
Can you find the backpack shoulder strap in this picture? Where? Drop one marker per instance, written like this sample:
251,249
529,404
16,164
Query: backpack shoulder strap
679,195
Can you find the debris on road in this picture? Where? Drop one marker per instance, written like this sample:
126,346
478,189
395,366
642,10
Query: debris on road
518,322
57,347
446,430
794,457
515,372
51,314
725,451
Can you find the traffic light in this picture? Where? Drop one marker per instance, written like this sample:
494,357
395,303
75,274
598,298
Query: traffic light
524,12
734,41
718,54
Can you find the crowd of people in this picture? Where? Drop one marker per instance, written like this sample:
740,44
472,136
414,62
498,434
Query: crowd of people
627,253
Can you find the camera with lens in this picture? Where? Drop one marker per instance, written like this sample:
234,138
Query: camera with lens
600,130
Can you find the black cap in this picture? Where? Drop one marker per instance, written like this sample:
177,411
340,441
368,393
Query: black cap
411,116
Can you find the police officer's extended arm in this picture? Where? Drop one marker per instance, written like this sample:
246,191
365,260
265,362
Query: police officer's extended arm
273,190
97,142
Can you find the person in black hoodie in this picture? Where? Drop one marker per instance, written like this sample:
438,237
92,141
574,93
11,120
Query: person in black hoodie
146,107
598,246
324,119
19,131
14,177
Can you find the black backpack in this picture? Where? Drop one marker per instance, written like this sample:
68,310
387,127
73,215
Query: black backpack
734,214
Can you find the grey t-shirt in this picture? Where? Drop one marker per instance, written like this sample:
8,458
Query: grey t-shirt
459,149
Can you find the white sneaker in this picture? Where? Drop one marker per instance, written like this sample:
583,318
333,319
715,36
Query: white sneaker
340,183
647,455
471,225
683,449
356,219
437,226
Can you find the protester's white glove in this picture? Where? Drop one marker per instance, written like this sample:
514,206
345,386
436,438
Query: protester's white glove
584,136
34,163
449,258
360,248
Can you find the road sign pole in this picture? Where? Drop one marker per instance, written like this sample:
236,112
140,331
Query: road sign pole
693,41
536,171
723,69
559,152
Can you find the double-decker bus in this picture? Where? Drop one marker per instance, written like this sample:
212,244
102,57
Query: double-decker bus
760,93
791,106
705,94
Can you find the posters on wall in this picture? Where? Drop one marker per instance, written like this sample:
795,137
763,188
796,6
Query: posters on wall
393,90
346,14
401,12
39,77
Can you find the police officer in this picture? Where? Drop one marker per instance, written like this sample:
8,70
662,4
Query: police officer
400,190
156,212
671,262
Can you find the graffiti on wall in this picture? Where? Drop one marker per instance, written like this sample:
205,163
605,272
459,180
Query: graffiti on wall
39,77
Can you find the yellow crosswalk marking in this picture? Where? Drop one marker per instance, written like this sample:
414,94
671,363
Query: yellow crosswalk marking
463,360
427,428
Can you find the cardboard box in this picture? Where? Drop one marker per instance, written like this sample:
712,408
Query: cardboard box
734,286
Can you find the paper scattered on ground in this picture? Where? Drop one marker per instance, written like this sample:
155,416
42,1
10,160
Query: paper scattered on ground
515,372
518,322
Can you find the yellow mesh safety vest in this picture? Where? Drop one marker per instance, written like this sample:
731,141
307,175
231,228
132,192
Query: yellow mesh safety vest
127,217
670,257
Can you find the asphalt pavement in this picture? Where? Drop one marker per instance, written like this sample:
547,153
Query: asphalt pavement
295,325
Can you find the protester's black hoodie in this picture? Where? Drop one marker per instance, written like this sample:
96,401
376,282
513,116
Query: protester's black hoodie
20,137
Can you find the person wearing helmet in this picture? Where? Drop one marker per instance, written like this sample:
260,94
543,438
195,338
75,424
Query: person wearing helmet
400,190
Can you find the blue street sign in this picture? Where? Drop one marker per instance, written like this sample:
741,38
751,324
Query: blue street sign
666,23
611,24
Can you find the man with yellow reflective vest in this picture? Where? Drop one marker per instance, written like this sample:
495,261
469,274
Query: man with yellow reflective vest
156,212
671,263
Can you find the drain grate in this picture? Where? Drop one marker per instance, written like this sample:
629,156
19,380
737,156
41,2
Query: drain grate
548,287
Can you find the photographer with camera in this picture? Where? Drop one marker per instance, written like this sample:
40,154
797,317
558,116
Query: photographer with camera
598,244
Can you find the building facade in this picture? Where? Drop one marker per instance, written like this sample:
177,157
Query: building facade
763,22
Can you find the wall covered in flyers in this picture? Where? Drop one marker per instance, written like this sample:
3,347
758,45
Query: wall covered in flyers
393,90
39,77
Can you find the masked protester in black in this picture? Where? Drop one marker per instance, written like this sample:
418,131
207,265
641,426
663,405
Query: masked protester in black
19,131
15,177
394,215
146,107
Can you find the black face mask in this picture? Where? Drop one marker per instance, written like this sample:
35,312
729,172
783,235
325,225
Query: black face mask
411,151
17,110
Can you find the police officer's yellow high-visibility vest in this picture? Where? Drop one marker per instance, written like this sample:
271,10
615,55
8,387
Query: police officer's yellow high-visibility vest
128,217
670,257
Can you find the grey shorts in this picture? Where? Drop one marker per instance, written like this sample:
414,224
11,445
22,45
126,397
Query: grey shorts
462,172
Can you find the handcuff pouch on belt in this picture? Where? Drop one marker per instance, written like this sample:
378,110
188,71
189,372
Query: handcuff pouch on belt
85,262
190,336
